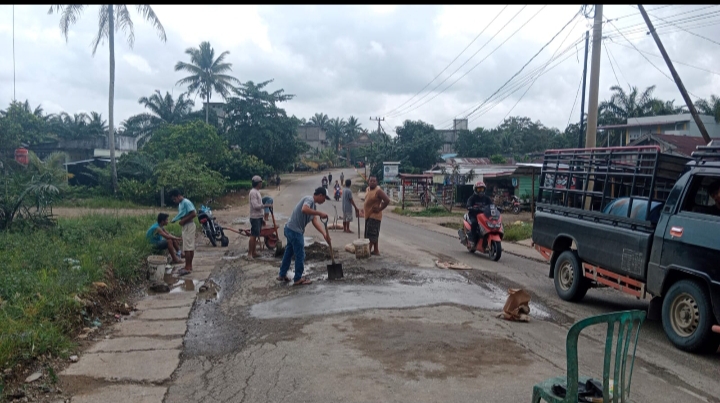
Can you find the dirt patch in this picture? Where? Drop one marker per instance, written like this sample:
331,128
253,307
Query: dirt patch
230,200
317,251
416,349
453,225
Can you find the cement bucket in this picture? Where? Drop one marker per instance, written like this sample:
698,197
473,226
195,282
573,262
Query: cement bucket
362,248
156,267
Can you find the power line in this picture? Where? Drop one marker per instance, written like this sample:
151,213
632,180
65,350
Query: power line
490,107
531,59
478,63
674,62
453,61
652,64
612,57
551,57
642,24
640,27
575,101
408,108
529,76
683,29
611,65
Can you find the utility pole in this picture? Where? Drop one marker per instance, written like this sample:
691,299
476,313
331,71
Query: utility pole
594,79
581,136
675,75
378,119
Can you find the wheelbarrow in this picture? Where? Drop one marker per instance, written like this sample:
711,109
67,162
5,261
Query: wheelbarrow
269,235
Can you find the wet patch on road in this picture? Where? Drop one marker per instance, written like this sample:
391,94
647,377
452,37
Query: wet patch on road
419,350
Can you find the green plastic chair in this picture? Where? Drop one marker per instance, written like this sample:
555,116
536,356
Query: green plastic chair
627,322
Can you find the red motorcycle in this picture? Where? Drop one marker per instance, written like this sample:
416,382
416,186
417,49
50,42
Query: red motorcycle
490,233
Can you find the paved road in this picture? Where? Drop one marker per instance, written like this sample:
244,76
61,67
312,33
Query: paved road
696,374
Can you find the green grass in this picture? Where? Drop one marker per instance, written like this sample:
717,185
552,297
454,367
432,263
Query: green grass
243,185
434,211
100,202
38,312
514,233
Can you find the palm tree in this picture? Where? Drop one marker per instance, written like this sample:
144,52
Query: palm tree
165,109
321,120
75,126
709,107
353,128
336,130
630,105
207,74
96,126
110,19
660,107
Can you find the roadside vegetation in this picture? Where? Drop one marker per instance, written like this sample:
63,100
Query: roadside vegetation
434,211
46,274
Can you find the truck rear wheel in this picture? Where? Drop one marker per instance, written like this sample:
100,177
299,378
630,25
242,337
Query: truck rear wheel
687,317
570,284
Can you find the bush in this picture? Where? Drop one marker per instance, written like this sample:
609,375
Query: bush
192,176
43,271
137,192
238,185
242,167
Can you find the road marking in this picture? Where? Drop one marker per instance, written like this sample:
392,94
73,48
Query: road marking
701,398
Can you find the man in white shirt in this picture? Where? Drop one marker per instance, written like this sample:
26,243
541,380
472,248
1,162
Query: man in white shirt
256,214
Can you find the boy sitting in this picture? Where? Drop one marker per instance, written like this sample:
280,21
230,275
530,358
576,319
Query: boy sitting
157,232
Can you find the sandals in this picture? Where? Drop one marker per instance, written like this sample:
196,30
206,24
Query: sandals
285,279
302,281
184,272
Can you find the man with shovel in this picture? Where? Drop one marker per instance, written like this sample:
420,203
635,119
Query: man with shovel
304,212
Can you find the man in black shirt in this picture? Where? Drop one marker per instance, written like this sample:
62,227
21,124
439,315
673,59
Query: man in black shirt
475,205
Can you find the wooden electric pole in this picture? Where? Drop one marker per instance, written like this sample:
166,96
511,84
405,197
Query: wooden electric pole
378,119
594,79
581,135
675,75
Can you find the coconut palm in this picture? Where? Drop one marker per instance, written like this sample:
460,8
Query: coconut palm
96,126
110,19
352,129
207,74
709,107
321,120
336,130
633,104
165,109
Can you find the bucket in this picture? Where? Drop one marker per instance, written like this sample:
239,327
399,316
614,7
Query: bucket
156,266
362,248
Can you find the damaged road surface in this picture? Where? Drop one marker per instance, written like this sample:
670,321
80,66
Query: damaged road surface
386,332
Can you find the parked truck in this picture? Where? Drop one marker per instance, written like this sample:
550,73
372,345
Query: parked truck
641,222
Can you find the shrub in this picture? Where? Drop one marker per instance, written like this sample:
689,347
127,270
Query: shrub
137,192
192,176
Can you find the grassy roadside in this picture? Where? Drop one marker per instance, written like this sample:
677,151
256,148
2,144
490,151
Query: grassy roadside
46,274
99,202
429,212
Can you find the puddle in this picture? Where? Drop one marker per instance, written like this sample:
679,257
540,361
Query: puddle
323,299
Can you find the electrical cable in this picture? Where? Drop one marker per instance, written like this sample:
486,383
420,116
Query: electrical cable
656,67
532,58
674,62
477,64
533,82
611,65
683,29
453,61
575,101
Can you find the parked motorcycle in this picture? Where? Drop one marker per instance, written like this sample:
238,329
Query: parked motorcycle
211,228
490,235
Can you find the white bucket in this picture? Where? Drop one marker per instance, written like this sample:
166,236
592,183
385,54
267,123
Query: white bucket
362,248
156,266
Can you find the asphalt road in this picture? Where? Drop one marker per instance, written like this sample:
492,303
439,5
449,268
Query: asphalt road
698,375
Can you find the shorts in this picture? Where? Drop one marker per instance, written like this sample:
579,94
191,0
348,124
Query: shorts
188,236
255,226
372,229
348,217
267,200
161,245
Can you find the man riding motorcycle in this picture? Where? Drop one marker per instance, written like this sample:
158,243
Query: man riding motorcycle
475,205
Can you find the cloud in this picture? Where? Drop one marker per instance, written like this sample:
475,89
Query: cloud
358,60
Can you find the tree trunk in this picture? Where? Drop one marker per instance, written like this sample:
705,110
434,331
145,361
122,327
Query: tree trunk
111,96
207,109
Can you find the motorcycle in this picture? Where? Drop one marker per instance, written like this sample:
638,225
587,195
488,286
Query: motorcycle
490,235
337,194
513,205
211,228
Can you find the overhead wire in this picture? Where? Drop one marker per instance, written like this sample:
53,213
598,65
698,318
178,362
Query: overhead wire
528,76
611,65
674,61
642,28
453,61
575,101
477,64
531,59
685,30
553,55
652,64
617,64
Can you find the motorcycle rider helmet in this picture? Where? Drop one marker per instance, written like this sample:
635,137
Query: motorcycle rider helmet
479,188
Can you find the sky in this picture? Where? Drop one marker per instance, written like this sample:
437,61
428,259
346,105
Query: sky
368,61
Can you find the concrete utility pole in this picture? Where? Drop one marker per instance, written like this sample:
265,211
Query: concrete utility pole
675,75
594,78
582,100
378,119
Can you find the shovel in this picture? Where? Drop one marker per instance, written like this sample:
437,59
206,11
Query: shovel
335,269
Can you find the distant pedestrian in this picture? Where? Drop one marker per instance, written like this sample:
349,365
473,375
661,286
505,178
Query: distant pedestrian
329,177
347,207
342,177
277,181
304,212
186,215
375,202
256,215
